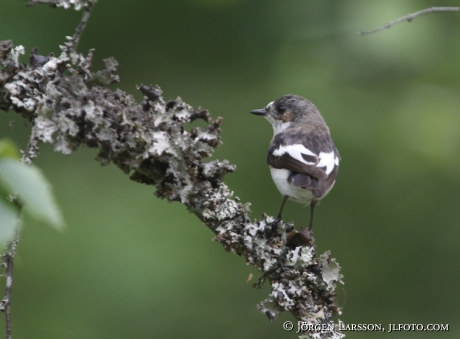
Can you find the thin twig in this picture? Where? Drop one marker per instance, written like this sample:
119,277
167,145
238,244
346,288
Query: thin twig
46,2
411,17
81,26
86,5
7,262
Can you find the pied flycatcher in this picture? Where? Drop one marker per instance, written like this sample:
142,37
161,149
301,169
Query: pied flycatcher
302,157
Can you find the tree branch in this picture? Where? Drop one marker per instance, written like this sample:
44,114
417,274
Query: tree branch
411,17
7,262
155,143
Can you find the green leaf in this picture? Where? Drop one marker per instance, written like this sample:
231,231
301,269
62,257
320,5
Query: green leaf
9,219
8,149
33,190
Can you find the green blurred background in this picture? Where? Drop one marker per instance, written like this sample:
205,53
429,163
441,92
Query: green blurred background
133,266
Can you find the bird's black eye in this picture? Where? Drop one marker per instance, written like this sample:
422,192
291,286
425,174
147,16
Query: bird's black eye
281,109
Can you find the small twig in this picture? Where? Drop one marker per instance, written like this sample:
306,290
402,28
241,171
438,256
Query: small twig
86,5
7,262
46,2
411,17
31,151
81,26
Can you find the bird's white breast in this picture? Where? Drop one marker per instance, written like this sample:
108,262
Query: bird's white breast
298,194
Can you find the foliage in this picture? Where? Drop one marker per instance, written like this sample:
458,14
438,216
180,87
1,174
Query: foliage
24,185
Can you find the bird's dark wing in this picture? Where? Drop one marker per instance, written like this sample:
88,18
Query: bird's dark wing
296,158
286,161
315,172
319,187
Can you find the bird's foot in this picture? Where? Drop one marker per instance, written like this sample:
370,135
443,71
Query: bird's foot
277,219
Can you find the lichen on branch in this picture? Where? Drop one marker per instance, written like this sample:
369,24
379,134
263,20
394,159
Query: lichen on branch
155,142
75,4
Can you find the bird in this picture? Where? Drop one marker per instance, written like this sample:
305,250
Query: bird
302,156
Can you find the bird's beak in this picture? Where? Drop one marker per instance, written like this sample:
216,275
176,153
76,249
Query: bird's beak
261,111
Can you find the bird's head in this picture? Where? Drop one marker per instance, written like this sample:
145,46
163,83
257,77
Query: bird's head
290,110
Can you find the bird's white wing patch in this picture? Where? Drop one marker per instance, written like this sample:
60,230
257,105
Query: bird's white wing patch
328,160
296,151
